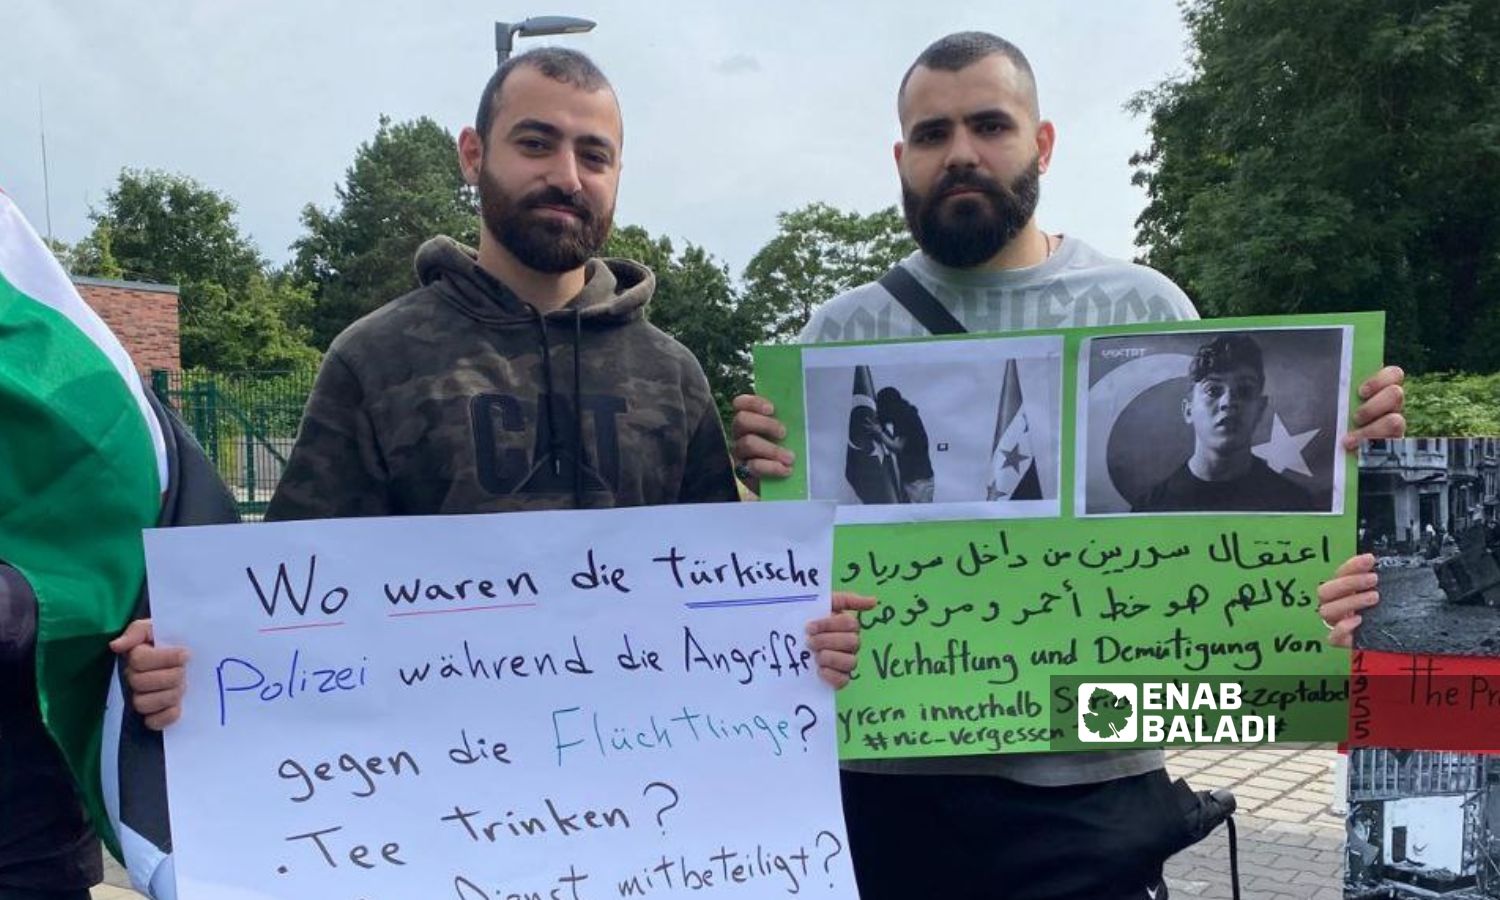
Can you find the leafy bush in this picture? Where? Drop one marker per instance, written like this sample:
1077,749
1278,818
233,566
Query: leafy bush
1451,405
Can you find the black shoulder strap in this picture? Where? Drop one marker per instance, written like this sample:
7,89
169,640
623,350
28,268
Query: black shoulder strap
924,307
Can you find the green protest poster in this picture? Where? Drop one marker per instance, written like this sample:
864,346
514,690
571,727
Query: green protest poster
1055,514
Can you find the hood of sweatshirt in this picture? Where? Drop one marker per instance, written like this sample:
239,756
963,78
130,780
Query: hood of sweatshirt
614,290
459,398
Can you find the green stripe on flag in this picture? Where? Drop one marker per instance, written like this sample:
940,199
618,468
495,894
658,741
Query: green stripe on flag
78,483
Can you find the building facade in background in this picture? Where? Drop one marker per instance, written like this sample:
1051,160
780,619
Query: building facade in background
1407,485
142,315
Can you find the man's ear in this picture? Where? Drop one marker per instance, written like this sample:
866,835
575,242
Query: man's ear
470,154
896,150
1046,139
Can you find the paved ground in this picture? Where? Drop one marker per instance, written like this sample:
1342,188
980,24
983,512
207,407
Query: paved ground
1290,840
1414,615
111,888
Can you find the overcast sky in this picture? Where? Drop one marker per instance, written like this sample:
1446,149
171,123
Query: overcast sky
733,111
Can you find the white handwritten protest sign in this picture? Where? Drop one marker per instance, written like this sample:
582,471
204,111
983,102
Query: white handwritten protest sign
559,705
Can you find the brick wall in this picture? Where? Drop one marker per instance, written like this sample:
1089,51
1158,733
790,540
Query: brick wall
142,316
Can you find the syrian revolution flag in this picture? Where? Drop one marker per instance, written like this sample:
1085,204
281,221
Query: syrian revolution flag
868,466
1013,474
83,466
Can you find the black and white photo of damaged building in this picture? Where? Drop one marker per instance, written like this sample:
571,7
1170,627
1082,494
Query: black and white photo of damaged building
1416,494
1422,824
1429,509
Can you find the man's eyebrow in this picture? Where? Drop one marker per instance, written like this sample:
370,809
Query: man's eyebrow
595,140
991,115
552,131
546,128
933,122
994,114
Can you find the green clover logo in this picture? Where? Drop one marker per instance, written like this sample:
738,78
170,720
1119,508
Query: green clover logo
1108,713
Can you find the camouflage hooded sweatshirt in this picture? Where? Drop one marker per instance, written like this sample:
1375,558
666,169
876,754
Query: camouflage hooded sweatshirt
460,398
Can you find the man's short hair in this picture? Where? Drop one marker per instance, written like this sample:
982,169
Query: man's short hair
557,63
888,401
965,48
1226,353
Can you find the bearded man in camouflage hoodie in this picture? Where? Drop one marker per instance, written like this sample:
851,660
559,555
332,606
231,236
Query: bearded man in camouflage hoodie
522,376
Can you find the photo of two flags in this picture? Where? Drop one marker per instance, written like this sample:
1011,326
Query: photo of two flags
872,471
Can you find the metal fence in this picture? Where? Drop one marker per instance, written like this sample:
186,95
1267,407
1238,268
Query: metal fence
1378,773
246,422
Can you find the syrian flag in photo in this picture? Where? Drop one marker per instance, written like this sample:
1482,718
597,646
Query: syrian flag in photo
1013,474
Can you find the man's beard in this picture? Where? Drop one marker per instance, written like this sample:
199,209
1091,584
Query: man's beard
970,230
541,243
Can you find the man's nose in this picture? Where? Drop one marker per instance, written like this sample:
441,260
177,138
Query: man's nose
563,174
962,154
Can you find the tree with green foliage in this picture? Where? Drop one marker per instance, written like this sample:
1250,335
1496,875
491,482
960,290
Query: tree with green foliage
160,227
696,304
818,252
1331,157
95,255
1448,405
251,330
404,187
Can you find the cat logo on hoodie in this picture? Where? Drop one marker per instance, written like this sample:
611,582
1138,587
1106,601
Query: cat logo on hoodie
504,468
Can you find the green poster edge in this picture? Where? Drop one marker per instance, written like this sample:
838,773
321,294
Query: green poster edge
778,378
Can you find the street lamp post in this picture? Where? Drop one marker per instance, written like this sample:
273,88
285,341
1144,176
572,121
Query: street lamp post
536,26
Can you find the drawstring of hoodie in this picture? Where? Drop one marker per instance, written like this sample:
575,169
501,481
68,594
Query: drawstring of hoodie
554,449
578,408
554,425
